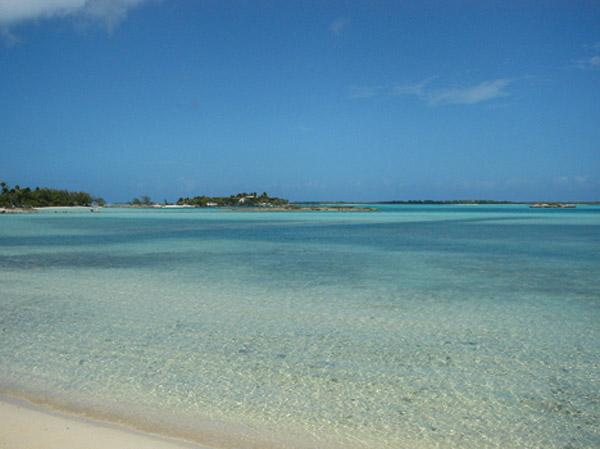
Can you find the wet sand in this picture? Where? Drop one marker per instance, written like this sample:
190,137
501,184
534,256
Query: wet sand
26,426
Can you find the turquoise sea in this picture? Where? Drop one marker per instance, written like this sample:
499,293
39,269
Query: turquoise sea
410,327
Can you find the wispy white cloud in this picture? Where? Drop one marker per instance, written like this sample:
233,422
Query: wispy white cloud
573,181
339,25
485,91
365,91
108,12
417,89
478,93
589,63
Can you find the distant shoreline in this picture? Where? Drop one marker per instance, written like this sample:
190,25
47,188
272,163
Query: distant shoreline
306,206
55,209
452,202
17,199
70,209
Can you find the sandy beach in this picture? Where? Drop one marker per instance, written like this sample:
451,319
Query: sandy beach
25,426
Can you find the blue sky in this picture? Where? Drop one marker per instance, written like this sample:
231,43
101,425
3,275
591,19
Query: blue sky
355,100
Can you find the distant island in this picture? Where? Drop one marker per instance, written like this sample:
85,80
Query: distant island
552,206
26,198
240,199
263,202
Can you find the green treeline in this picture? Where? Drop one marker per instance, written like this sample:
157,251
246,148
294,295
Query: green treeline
240,199
144,201
43,197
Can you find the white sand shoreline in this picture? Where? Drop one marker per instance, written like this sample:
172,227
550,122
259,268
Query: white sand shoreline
24,425
53,209
30,422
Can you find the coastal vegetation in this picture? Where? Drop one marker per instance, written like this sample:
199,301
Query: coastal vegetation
143,201
240,199
25,197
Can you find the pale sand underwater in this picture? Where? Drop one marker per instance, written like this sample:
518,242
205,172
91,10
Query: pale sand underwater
412,327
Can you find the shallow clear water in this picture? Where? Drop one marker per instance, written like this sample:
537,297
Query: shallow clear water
462,327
